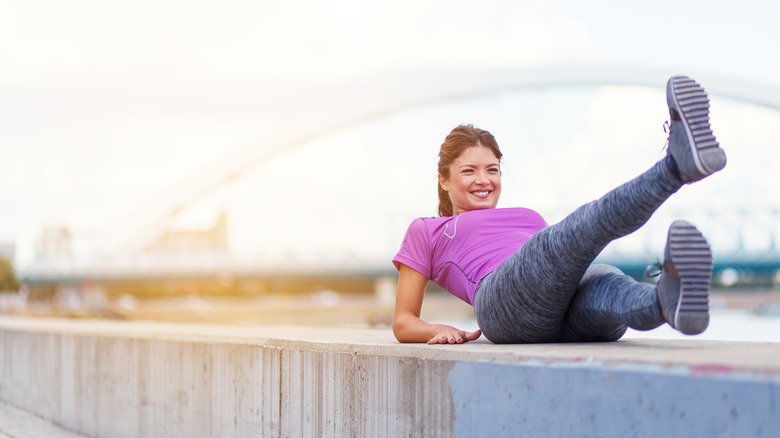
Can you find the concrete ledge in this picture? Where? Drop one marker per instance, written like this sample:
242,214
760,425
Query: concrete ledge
104,378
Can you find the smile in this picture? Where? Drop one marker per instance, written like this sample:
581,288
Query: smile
481,193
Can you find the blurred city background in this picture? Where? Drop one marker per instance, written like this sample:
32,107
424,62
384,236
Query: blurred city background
258,162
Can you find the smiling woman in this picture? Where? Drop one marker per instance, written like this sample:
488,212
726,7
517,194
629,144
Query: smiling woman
529,282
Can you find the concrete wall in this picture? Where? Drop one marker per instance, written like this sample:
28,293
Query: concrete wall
143,379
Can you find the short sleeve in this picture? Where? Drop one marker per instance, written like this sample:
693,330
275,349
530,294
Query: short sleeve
415,249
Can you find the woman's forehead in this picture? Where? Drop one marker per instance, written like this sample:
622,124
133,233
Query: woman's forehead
476,155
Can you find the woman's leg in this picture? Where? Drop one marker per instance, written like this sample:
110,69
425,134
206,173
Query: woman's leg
608,302
526,297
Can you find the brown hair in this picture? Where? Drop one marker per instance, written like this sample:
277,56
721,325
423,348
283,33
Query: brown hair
457,141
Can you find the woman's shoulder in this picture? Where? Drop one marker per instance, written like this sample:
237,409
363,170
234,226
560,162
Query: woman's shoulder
419,225
427,228
423,222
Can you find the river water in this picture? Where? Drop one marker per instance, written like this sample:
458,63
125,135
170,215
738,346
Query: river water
725,325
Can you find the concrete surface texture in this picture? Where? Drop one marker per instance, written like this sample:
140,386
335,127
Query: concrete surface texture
15,423
104,378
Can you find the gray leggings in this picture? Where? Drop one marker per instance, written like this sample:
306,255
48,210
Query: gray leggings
548,291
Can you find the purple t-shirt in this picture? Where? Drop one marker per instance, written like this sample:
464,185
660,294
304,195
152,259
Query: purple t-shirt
456,252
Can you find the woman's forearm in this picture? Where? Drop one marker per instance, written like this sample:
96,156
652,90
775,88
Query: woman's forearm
410,328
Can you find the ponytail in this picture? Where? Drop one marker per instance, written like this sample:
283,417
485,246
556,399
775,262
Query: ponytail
445,204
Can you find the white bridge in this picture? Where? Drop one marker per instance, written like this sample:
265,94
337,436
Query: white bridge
752,230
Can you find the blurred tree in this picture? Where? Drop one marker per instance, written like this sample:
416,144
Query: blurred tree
8,281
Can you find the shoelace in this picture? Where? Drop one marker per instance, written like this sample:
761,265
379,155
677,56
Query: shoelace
668,131
654,270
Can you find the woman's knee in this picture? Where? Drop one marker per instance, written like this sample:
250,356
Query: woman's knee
596,271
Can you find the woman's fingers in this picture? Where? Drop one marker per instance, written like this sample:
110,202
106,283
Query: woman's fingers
454,336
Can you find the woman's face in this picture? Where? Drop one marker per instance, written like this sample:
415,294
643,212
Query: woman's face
475,180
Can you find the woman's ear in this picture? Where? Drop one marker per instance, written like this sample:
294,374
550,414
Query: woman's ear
443,184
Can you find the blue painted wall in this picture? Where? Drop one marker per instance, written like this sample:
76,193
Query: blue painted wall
531,400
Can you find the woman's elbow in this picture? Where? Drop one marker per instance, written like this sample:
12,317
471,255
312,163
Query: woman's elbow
400,330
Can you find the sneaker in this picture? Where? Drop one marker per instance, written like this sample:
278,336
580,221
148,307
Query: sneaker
691,141
684,285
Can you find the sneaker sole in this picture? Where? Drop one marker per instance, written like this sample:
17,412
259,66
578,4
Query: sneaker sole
692,258
689,100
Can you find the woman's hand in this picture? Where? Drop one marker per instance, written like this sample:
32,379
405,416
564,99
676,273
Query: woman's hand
446,334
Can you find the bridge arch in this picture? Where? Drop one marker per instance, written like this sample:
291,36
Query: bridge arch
464,90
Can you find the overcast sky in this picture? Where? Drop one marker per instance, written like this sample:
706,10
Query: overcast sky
110,108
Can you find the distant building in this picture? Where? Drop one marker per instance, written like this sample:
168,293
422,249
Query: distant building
211,239
54,243
8,250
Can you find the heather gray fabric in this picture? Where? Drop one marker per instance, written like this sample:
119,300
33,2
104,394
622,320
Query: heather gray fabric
606,303
542,292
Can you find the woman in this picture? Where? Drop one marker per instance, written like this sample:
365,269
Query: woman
529,282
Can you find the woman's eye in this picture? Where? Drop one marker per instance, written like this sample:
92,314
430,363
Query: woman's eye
493,170
467,171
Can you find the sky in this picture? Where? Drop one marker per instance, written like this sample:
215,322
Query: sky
113,112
